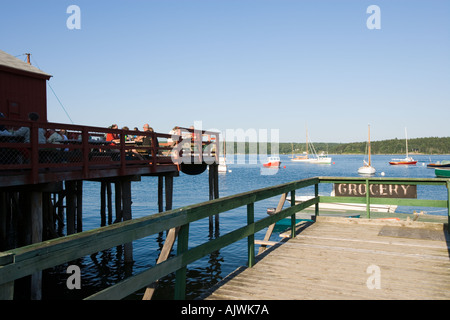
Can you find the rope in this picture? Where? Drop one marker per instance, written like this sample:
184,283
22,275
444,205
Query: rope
60,103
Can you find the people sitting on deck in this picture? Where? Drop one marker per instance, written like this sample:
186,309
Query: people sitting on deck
113,137
135,136
174,132
54,136
25,131
146,148
146,129
128,137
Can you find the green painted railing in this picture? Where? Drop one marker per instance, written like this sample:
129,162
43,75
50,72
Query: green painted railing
20,262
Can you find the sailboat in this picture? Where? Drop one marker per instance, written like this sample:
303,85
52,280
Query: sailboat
222,161
304,157
367,169
318,158
407,160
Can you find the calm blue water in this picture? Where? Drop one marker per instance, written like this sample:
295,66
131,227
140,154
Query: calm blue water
107,267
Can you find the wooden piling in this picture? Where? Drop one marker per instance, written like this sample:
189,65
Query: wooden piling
126,214
102,203
213,193
169,191
36,237
71,203
118,201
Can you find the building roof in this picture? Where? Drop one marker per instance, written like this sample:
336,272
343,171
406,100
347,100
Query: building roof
15,65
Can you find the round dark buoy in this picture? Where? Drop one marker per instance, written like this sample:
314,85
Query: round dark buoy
193,169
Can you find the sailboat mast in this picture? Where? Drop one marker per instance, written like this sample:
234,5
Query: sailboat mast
406,137
307,148
369,146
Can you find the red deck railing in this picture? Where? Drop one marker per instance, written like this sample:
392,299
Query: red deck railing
85,153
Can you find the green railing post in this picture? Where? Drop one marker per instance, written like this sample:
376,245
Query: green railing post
251,238
293,216
180,274
316,194
448,205
367,199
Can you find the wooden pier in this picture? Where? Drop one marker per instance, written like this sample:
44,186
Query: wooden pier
340,258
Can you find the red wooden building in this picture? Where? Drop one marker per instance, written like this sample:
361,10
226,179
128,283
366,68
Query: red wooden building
23,89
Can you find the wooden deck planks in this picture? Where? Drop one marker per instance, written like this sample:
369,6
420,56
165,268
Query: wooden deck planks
330,259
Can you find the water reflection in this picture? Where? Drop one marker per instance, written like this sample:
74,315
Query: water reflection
108,267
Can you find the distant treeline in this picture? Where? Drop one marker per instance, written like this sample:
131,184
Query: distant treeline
432,145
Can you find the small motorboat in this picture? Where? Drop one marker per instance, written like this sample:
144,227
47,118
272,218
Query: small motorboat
442,164
442,172
272,162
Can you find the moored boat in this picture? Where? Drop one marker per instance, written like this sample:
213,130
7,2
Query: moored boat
442,164
407,160
442,172
272,162
367,168
321,159
302,158
222,165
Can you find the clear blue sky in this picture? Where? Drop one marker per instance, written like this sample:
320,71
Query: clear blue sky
243,64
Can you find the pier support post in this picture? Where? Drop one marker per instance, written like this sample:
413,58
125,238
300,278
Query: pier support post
4,210
165,182
105,202
79,201
71,203
102,203
36,237
126,213
118,201
214,193
169,191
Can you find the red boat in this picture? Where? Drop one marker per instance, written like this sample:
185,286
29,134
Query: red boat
406,161
272,162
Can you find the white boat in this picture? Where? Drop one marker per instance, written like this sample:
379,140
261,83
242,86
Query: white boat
367,168
222,161
321,158
407,160
222,165
345,207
